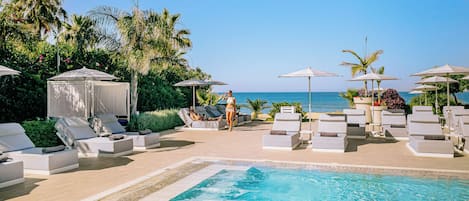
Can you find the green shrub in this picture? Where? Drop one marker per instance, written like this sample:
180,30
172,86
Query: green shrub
276,108
42,133
156,120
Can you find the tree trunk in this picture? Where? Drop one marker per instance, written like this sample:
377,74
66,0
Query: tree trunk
133,92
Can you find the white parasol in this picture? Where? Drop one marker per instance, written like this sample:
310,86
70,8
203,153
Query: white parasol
7,71
308,73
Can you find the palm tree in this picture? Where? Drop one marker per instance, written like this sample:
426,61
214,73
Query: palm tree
43,15
363,63
80,32
349,95
144,37
206,97
380,71
256,107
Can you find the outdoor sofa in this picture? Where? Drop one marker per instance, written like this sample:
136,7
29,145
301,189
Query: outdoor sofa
394,124
426,137
109,124
76,133
331,135
285,133
36,160
356,122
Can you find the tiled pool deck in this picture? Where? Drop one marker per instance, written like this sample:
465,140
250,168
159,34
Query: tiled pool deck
96,176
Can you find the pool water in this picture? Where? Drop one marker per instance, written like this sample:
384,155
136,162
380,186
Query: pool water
292,184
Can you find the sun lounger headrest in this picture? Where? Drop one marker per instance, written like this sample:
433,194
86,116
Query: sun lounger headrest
287,117
354,112
13,138
332,117
453,108
422,109
105,118
75,122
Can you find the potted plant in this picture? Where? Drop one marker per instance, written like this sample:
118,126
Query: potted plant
363,101
256,107
361,67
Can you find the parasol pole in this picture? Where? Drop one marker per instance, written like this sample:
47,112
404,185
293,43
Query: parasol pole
309,103
193,97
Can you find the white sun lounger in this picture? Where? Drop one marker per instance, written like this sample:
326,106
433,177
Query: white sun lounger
285,132
356,122
76,133
426,137
17,145
331,135
108,123
11,173
203,125
394,124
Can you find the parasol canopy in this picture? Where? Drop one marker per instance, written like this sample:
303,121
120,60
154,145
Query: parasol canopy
83,74
308,73
7,71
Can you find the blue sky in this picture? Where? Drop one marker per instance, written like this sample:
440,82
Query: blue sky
249,43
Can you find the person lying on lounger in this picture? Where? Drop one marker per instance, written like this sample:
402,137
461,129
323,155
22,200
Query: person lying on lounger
197,117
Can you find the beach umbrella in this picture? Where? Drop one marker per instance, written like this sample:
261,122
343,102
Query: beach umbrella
83,74
445,70
465,78
7,71
436,80
373,77
194,83
425,88
417,92
308,73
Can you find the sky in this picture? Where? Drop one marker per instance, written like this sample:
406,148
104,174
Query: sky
248,44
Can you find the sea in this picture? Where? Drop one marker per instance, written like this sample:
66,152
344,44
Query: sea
321,101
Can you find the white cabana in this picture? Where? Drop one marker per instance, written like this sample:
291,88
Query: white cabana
82,93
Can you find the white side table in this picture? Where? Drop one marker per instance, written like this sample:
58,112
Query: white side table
305,135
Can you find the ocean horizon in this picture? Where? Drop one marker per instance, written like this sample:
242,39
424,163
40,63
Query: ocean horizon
321,101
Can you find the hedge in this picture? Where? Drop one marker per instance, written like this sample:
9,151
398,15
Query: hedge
158,120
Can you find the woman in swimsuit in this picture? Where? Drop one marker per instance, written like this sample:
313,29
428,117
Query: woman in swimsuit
230,109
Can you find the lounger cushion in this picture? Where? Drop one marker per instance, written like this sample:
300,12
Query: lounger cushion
13,138
278,132
144,132
53,149
116,137
221,108
434,137
326,134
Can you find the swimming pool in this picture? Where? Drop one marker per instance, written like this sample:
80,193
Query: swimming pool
265,183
